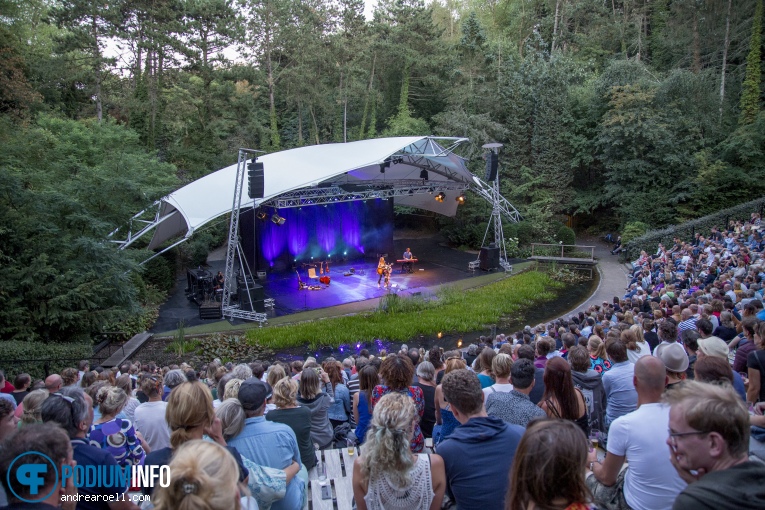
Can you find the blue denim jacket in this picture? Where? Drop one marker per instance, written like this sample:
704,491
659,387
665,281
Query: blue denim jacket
341,409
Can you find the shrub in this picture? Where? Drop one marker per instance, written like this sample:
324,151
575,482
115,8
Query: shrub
33,357
566,235
160,271
633,230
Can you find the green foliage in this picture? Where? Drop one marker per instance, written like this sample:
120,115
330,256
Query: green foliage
565,235
160,271
400,319
226,348
750,95
182,346
32,357
634,229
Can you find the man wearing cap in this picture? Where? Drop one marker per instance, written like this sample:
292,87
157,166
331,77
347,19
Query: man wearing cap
675,361
268,443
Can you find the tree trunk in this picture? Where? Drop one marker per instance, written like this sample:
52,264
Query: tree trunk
726,45
696,44
555,25
97,55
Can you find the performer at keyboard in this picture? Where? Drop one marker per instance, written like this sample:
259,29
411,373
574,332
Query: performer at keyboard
407,265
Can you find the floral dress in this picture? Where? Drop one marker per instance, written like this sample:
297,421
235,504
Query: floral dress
599,365
415,393
118,437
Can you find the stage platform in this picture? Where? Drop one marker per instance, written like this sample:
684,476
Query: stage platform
438,264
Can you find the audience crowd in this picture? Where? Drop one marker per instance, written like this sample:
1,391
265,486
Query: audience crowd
652,401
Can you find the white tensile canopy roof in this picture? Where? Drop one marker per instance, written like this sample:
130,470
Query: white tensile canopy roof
196,204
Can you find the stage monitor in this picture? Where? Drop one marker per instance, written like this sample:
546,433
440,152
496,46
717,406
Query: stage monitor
488,258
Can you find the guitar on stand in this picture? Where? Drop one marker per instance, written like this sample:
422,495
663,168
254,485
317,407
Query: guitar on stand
321,267
301,283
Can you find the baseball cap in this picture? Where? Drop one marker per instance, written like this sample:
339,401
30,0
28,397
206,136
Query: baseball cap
714,346
252,393
674,357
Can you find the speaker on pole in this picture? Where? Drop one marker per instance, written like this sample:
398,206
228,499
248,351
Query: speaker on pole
256,179
492,163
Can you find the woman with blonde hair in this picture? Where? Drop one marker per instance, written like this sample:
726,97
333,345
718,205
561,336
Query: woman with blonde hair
598,358
445,420
116,435
31,404
549,468
126,383
203,476
387,475
637,347
296,417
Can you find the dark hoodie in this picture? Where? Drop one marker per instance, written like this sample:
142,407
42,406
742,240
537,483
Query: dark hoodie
478,456
591,386
735,488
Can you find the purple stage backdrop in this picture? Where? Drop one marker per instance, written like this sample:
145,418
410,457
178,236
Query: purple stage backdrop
336,232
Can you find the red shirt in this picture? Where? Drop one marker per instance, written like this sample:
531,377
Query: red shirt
8,388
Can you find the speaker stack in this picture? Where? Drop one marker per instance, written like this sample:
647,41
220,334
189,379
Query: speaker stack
489,258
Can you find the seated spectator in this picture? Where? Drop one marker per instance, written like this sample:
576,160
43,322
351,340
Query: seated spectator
500,367
340,411
266,484
21,384
727,329
479,452
202,475
744,345
116,435
296,417
172,379
598,357
590,383
617,382
362,407
387,474
667,334
72,410
445,420
709,440
649,334
650,481
690,340
543,347
561,399
268,443
483,367
32,404
426,377
716,347
316,394
190,415
515,407
548,470
396,372
41,439
713,370
755,363
126,383
150,416
675,362
635,343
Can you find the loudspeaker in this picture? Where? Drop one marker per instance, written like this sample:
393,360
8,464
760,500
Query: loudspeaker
492,163
256,293
488,258
256,181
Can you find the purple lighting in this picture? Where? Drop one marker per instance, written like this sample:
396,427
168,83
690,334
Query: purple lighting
325,228
297,230
273,238
350,224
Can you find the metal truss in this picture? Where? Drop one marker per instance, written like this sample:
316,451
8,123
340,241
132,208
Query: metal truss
136,220
492,195
387,189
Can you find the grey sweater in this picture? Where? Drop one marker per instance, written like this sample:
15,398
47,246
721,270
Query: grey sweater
322,432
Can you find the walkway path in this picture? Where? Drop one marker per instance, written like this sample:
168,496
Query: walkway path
613,276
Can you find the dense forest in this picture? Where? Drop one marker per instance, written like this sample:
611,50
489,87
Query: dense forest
611,112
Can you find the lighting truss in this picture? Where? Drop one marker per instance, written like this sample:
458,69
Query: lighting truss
384,190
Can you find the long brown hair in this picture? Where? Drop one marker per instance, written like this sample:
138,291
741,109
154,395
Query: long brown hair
559,386
549,464
368,379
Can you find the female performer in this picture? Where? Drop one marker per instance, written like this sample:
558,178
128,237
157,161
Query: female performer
383,270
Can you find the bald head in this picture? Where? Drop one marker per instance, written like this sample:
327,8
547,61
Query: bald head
53,383
686,314
650,377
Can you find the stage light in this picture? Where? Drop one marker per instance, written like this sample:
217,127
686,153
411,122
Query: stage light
424,175
345,253
262,215
278,220
461,199
440,335
440,197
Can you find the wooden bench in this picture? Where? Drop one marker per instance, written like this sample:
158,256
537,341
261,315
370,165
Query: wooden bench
339,466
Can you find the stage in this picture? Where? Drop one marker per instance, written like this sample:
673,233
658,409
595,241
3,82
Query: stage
438,264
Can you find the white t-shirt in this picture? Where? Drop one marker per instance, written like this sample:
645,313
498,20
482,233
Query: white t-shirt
643,349
506,388
150,421
640,436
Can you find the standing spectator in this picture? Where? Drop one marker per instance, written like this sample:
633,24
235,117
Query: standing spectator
650,481
515,407
590,384
426,377
340,410
362,407
562,399
548,470
396,372
318,400
479,452
386,474
675,361
116,435
620,391
150,416
649,334
296,417
709,440
526,352
483,367
32,404
667,335
125,382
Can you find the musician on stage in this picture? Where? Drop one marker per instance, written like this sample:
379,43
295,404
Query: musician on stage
218,281
407,265
383,270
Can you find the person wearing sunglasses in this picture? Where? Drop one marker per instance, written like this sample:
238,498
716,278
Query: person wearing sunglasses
708,440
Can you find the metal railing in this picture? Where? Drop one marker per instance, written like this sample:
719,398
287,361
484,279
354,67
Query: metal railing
552,250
